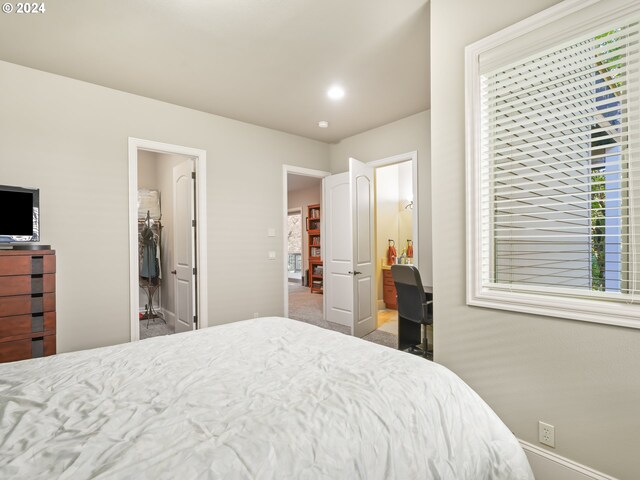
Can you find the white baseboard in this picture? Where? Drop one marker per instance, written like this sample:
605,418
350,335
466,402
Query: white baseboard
155,307
381,305
547,465
170,317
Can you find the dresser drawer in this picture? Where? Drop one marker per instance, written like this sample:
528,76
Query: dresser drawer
28,348
27,264
389,297
389,293
27,304
387,277
27,284
27,325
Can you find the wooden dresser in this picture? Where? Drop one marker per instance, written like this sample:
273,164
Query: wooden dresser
389,294
27,304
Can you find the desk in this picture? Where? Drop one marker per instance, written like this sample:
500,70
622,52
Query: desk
409,332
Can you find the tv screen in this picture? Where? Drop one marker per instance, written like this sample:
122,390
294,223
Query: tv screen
20,218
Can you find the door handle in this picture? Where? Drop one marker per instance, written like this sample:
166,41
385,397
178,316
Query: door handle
173,272
354,273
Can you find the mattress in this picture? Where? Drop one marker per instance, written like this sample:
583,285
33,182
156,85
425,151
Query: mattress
268,398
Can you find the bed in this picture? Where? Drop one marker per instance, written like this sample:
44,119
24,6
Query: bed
269,398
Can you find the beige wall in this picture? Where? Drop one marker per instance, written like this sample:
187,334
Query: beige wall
147,171
303,198
69,138
405,135
582,378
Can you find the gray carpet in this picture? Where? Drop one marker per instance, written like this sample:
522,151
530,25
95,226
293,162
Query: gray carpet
307,307
156,328
382,338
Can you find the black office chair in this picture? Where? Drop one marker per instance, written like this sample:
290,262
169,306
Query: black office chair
415,310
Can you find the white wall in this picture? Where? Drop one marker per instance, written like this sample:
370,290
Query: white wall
303,198
402,136
583,378
70,139
147,170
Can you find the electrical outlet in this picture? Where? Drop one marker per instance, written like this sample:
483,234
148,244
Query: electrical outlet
256,315
546,434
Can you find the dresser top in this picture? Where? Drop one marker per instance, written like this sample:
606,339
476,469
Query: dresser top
26,252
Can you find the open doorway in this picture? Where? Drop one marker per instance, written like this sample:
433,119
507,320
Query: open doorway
304,299
304,195
394,236
396,227
166,242
167,233
366,207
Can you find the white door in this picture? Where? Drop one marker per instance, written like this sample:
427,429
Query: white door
183,245
363,258
338,250
349,255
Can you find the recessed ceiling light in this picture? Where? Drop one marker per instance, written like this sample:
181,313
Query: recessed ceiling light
335,93
323,124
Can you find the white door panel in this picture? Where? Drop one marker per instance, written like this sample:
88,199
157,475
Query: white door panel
343,300
361,185
183,245
364,234
349,261
338,288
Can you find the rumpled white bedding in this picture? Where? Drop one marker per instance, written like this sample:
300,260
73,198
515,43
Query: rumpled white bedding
269,398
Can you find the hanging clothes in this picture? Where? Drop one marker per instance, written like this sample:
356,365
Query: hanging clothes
150,265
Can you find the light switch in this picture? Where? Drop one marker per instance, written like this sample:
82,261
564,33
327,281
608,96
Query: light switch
272,255
271,232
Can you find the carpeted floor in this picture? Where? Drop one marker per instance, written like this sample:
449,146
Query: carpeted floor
307,307
156,328
303,306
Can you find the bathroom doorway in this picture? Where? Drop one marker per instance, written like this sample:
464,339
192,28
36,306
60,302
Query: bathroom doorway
396,230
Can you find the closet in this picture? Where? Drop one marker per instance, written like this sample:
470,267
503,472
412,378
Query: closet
149,251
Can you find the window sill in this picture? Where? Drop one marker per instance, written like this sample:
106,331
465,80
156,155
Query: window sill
593,311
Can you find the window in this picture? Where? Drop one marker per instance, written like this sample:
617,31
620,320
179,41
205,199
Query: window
294,236
553,164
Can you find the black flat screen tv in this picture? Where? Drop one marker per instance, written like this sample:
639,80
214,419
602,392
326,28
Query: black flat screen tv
19,214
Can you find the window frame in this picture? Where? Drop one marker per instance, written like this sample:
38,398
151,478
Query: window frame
557,304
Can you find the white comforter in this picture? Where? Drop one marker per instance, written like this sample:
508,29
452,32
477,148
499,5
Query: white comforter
268,398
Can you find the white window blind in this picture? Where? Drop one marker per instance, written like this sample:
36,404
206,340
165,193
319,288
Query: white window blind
558,180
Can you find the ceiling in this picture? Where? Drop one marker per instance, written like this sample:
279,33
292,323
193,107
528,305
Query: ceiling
266,62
